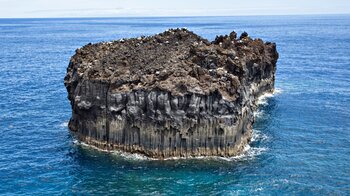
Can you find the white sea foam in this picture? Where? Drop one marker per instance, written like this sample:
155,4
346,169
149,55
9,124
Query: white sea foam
258,136
131,156
263,99
247,154
258,113
126,155
277,91
64,124
75,141
85,145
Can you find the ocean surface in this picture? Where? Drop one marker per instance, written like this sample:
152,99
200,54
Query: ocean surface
301,142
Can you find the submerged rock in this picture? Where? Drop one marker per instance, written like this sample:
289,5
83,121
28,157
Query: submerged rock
171,94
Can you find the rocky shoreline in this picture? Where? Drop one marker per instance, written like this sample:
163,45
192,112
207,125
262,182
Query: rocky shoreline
173,94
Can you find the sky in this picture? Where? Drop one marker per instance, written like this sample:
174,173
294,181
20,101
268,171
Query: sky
125,8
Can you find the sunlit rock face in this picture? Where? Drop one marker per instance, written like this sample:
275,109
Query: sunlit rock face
173,94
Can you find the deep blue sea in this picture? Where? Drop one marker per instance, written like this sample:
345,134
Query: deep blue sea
301,143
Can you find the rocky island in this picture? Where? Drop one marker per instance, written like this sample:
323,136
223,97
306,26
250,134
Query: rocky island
174,94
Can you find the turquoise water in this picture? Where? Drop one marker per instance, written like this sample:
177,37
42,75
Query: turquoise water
301,136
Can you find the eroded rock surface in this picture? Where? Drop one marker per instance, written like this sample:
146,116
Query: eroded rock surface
172,94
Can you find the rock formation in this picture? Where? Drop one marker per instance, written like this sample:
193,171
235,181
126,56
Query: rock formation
171,94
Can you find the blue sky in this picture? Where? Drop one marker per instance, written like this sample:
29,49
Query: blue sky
115,8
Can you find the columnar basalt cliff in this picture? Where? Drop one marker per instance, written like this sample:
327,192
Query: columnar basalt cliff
171,94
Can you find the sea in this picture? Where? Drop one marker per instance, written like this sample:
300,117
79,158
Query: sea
301,137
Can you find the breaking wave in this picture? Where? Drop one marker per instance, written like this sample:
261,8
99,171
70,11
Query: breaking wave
259,136
64,124
263,99
258,113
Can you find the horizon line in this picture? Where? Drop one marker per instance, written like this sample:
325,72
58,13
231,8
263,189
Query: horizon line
184,16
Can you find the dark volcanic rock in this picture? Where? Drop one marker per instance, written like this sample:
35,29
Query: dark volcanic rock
172,94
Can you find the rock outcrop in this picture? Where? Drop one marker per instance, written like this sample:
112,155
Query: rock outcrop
171,94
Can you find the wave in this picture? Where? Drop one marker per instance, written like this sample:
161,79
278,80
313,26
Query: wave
64,124
263,99
258,136
126,155
131,156
249,153
277,91
258,113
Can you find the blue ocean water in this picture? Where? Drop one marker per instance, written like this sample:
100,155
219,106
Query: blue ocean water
301,141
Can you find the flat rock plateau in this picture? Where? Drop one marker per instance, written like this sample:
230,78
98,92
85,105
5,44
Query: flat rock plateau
173,94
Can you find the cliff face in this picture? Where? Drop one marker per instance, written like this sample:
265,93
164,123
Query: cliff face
172,94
